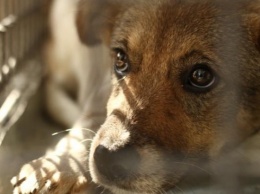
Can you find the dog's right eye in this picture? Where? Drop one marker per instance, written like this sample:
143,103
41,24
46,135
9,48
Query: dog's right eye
121,63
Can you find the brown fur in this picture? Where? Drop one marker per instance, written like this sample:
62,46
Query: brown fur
151,108
163,40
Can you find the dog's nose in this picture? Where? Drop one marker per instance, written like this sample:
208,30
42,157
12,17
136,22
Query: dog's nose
119,164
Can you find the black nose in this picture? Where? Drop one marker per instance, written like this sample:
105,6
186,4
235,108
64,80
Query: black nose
119,164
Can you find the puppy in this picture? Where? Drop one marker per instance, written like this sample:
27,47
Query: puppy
73,69
185,90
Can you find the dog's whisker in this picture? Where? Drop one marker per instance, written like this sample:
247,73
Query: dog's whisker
164,192
193,165
103,191
157,190
89,130
85,140
176,186
120,80
68,130
161,191
60,132
85,129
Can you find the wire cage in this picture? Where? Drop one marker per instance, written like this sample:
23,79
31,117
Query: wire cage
21,30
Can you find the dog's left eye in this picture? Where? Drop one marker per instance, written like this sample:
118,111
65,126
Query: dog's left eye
121,63
200,79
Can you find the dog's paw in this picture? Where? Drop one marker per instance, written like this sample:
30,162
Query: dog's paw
52,175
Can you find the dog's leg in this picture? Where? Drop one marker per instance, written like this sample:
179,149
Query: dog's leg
60,106
64,57
64,170
71,65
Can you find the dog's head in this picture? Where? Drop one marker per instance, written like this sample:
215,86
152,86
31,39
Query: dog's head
185,89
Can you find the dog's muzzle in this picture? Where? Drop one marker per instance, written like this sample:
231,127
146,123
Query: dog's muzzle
116,165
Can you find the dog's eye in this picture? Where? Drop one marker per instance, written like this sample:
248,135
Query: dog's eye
121,63
200,79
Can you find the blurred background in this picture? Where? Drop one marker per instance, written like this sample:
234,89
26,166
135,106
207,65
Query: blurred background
25,129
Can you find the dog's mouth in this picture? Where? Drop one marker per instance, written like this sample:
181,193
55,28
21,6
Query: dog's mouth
135,170
123,158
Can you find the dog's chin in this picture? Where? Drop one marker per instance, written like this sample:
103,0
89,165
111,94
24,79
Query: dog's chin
137,184
140,185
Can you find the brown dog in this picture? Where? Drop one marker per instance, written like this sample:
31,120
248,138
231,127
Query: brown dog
186,88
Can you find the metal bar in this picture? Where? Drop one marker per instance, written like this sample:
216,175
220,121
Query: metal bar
21,27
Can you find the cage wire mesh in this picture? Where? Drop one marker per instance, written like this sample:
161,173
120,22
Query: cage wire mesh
21,29
22,25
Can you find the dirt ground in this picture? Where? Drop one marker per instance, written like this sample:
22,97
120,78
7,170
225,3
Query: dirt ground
27,140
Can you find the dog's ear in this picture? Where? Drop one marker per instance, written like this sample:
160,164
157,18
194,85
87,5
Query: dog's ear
96,18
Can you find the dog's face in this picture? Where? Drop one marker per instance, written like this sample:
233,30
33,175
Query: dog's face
185,89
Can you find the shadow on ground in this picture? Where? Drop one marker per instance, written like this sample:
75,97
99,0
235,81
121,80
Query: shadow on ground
28,139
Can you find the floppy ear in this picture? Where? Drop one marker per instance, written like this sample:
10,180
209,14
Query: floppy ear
95,19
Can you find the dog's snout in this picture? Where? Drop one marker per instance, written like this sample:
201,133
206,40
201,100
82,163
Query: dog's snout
119,164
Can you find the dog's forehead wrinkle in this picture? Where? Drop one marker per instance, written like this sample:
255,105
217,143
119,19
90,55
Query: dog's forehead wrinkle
181,48
165,26
164,36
